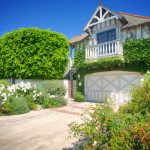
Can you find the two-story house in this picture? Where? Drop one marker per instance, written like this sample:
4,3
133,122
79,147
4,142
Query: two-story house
104,35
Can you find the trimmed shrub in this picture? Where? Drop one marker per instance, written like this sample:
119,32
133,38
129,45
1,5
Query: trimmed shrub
79,97
32,53
54,88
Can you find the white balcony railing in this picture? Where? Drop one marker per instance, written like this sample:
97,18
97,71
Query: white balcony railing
103,49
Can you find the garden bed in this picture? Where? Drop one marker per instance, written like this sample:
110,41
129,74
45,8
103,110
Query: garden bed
22,97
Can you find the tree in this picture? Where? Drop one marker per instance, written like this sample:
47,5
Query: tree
33,53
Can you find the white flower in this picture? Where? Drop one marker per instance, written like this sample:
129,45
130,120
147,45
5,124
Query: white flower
3,94
39,94
91,111
34,96
21,84
97,128
34,91
87,117
2,87
12,88
52,96
95,143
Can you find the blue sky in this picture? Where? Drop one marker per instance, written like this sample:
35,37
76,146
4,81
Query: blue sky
66,16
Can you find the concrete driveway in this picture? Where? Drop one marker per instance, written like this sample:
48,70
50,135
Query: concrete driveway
40,130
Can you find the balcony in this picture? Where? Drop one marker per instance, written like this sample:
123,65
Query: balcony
104,49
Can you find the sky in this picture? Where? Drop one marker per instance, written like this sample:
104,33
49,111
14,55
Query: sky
65,16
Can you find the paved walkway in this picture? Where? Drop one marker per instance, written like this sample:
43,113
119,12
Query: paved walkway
40,130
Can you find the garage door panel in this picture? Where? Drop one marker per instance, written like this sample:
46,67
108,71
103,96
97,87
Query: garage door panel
93,83
108,81
102,85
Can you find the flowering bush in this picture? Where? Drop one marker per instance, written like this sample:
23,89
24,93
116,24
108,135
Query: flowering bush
104,129
30,95
19,89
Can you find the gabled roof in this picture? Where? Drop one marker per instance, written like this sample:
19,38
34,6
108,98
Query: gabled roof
101,14
134,20
129,20
78,38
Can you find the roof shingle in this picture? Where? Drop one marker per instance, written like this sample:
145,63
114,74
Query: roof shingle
78,38
134,20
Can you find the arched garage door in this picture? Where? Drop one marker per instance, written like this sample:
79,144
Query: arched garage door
118,84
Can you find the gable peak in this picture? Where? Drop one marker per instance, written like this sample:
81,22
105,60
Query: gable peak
101,14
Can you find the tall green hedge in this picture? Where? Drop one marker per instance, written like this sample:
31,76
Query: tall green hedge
33,53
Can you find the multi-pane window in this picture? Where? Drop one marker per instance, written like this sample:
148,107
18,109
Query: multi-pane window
106,36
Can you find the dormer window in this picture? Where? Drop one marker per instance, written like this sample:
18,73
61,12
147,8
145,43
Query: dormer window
109,35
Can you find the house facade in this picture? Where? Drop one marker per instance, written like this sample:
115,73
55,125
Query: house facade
104,35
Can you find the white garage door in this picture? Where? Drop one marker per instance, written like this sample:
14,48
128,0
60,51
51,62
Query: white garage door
98,86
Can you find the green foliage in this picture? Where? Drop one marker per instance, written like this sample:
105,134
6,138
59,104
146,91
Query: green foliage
79,59
79,97
54,88
140,100
15,105
137,51
4,82
33,53
30,102
54,102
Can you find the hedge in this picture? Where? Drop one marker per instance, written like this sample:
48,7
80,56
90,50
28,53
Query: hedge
33,53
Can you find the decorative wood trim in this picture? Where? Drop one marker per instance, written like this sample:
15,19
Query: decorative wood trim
102,18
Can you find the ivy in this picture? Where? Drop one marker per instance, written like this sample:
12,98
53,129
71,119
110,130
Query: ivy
79,56
137,51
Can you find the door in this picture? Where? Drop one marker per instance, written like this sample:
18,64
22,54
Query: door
114,84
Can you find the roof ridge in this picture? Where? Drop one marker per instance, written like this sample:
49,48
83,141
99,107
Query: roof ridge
140,16
79,35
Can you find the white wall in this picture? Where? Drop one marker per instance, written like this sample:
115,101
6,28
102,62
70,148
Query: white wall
39,83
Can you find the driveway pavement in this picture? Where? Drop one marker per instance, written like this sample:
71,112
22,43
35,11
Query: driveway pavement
40,130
